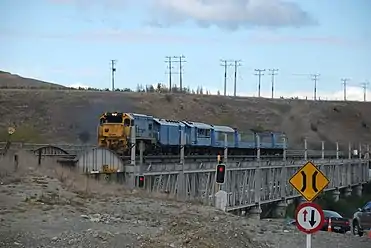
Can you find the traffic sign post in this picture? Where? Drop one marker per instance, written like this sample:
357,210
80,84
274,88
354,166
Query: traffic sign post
309,181
309,219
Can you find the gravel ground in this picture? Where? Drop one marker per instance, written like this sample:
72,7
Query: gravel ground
50,206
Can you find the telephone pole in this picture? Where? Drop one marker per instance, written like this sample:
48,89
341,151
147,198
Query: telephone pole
365,86
259,74
236,65
315,78
272,73
168,61
180,61
344,83
225,64
113,70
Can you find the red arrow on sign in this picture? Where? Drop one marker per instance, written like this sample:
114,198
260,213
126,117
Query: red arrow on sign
305,215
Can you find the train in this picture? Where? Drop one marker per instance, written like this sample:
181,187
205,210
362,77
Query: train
158,136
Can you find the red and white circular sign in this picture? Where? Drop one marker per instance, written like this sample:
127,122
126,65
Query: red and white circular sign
309,217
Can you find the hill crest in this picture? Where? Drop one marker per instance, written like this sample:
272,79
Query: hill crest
62,115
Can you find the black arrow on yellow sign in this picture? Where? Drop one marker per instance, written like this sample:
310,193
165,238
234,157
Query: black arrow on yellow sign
314,178
304,181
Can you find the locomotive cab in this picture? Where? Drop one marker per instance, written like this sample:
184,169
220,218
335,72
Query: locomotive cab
114,131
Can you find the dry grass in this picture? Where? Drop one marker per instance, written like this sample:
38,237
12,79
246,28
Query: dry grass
59,116
71,180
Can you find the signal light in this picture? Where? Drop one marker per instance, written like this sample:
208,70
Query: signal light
220,173
141,181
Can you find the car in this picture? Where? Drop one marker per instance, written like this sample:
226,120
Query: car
362,220
339,224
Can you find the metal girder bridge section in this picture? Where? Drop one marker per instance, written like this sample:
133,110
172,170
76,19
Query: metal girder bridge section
250,183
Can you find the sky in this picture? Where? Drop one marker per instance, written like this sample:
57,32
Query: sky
72,42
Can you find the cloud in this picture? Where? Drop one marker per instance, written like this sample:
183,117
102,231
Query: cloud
225,14
232,14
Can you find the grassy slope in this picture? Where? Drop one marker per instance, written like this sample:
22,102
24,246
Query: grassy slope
55,116
8,80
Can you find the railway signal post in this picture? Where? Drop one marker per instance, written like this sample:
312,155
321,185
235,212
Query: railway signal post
220,174
220,195
309,181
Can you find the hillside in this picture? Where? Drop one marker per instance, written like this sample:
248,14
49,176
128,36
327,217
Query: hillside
12,81
61,115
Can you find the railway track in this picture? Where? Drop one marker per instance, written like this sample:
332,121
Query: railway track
194,158
74,150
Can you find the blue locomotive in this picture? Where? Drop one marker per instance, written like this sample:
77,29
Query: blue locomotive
163,136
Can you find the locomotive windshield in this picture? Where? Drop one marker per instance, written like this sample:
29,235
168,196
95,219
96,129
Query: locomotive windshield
111,119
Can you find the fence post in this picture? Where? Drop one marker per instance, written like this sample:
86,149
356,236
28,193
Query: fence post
258,173
323,150
132,181
349,151
337,150
181,176
360,151
284,149
182,144
39,157
283,172
225,148
15,162
305,149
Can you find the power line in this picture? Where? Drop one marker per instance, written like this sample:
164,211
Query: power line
113,70
225,64
180,61
315,78
259,74
365,86
170,72
272,73
236,65
344,82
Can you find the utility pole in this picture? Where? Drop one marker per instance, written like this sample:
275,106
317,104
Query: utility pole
225,64
180,61
113,70
169,67
259,74
272,73
315,78
236,65
344,82
365,86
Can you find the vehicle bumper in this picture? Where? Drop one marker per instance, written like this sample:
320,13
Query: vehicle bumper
337,229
